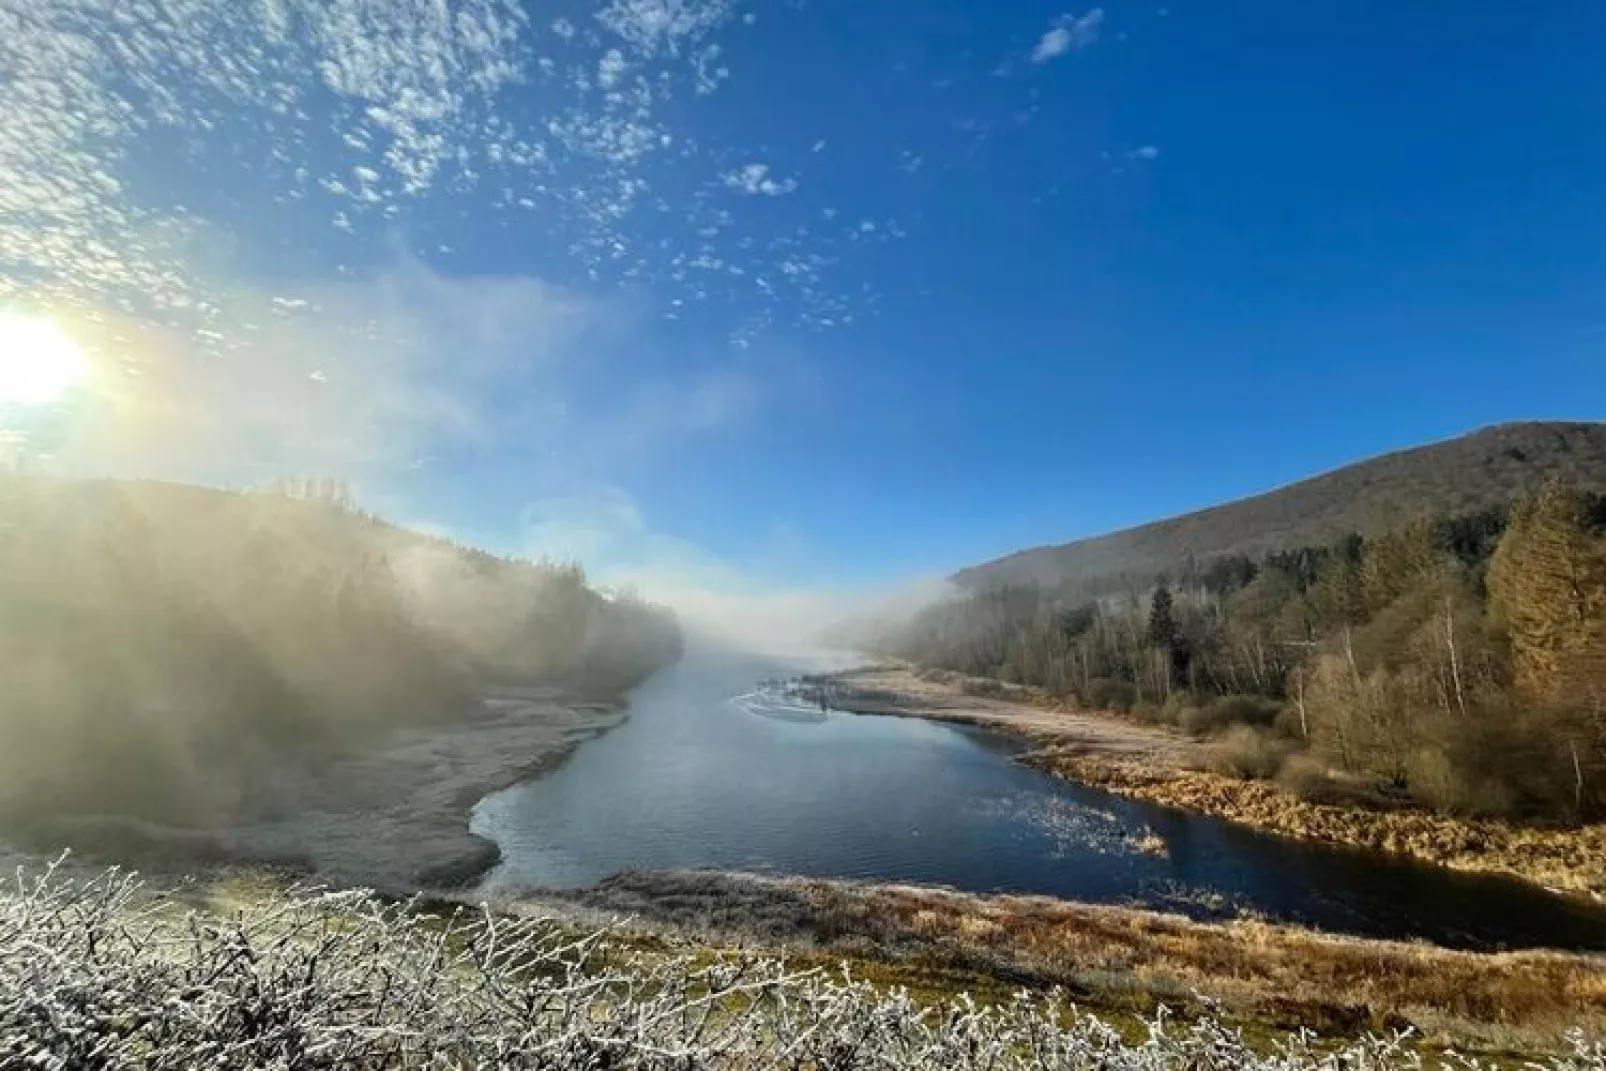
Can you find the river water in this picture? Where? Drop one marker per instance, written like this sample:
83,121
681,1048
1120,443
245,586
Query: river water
716,770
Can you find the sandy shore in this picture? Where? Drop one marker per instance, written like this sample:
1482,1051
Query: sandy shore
898,691
393,816
1165,767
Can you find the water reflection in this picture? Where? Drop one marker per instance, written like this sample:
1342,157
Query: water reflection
717,769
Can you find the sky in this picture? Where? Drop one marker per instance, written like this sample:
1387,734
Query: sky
781,297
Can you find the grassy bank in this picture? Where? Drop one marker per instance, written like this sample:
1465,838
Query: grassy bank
98,974
1125,962
1161,766
1569,860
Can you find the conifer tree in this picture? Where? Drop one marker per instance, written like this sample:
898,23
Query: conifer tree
1547,581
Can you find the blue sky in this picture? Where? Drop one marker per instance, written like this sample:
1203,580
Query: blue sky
804,294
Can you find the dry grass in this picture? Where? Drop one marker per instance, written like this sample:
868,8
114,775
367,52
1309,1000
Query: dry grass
1573,860
1125,960
100,974
1279,974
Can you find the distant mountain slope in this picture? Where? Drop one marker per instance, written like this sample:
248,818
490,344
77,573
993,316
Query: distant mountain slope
1474,472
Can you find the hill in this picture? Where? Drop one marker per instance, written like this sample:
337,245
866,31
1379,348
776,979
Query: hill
1428,626
1479,471
169,648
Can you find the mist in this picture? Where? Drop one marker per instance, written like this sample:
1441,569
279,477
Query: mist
790,621
174,649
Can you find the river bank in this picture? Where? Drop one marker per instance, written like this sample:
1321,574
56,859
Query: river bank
395,818
391,814
798,974
1115,961
1126,965
1160,766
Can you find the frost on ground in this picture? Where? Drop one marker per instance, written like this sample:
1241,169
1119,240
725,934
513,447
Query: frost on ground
93,974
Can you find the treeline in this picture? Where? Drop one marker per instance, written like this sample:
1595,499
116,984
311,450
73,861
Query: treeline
164,644
1456,661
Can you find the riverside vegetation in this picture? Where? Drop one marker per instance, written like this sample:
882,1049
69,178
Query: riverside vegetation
1158,763
1454,663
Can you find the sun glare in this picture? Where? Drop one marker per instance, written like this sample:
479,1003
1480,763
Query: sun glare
39,362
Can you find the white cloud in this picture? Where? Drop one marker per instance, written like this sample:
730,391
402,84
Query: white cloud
1068,33
407,73
360,108
611,68
754,180
402,99
1144,152
655,27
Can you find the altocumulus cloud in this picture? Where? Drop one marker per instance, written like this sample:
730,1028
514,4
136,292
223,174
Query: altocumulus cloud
1067,34
754,179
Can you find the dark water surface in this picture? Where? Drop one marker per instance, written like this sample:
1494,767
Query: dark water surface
714,770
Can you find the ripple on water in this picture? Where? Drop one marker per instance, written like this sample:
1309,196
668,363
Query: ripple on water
723,765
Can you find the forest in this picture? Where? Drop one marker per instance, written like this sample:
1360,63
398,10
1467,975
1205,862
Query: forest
1456,662
159,639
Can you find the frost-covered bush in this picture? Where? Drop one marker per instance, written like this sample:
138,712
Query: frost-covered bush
95,975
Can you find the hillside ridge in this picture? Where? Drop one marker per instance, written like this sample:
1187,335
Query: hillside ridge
1480,470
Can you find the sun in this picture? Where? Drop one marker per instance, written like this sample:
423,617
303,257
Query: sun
39,362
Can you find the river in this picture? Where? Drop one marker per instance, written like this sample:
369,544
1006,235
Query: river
716,770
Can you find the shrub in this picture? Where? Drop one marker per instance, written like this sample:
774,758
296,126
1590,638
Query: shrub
1437,781
1106,693
1176,707
1308,779
1147,712
1248,753
90,977
1227,711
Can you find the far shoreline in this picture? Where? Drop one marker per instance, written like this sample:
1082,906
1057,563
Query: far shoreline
1163,767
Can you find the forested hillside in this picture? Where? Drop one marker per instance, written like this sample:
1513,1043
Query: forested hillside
1457,660
160,641
1485,470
